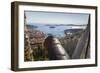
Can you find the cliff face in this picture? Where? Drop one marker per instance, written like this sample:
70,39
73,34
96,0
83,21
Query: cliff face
35,36
34,40
27,47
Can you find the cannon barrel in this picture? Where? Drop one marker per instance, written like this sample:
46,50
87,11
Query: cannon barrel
55,49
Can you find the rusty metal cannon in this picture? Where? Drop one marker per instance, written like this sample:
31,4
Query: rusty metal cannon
55,49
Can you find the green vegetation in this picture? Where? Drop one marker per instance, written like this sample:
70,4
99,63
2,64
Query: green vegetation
40,54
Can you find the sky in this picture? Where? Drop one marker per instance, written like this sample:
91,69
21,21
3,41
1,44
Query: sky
56,17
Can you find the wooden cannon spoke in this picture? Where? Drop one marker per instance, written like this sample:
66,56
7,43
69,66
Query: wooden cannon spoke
83,43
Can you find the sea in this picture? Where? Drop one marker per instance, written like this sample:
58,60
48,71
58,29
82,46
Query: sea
55,29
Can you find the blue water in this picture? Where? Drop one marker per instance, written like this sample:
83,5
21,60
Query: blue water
55,30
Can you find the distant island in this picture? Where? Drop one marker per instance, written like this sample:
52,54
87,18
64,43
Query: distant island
35,25
65,25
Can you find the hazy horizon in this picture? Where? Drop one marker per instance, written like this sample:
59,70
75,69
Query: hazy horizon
54,24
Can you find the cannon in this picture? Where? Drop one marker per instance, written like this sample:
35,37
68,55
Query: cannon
55,49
